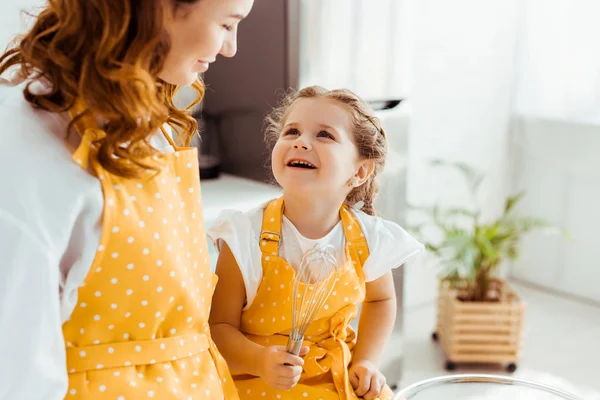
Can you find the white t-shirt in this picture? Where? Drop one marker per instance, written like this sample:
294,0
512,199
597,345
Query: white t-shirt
50,226
389,245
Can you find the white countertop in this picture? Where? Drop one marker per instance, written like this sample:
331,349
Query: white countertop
233,192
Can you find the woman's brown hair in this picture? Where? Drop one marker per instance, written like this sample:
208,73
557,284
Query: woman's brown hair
107,55
369,137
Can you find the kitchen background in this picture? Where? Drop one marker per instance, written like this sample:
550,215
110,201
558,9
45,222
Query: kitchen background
509,86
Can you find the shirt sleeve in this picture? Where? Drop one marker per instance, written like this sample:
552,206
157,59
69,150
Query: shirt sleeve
390,245
241,232
32,350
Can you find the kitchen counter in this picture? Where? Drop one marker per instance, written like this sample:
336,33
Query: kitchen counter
232,192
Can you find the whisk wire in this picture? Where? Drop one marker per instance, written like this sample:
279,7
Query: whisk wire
315,278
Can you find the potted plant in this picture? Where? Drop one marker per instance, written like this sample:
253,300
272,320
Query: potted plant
479,316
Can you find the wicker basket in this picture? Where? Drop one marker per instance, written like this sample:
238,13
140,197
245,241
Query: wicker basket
480,332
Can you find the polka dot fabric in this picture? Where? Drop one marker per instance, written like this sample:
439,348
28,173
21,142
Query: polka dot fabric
140,328
268,320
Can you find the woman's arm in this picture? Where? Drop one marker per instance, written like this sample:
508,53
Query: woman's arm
32,347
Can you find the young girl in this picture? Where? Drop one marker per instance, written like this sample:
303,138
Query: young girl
328,150
105,284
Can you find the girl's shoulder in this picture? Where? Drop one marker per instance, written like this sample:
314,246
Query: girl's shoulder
375,228
389,244
244,223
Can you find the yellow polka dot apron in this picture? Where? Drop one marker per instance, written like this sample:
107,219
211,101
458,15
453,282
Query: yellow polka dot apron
140,328
331,339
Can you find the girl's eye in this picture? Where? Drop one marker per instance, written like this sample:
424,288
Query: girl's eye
228,27
292,131
325,134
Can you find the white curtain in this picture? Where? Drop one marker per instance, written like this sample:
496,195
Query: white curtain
558,60
362,45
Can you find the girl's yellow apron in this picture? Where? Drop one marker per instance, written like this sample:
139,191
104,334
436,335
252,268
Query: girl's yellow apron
268,320
140,328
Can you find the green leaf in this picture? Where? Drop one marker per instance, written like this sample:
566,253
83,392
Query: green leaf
487,248
528,224
460,212
511,201
511,253
566,234
500,237
457,240
431,248
490,231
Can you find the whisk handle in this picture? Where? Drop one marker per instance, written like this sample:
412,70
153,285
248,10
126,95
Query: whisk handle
294,345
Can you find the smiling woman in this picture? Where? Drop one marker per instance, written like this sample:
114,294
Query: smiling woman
105,268
203,30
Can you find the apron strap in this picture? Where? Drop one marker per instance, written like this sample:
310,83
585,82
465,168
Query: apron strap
270,235
356,241
87,128
169,138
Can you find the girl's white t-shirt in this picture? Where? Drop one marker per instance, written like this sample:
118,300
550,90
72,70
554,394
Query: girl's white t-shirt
389,245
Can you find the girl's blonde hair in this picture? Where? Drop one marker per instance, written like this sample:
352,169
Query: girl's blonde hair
106,54
368,135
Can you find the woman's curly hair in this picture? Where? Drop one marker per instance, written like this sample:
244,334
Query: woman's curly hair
107,55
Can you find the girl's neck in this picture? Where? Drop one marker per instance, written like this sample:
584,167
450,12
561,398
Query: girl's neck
314,218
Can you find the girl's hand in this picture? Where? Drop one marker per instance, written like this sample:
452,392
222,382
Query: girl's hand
366,379
280,369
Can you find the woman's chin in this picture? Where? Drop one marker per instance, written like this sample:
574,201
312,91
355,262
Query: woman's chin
183,78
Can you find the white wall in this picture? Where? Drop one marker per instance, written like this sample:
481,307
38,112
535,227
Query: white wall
558,165
12,19
556,142
463,52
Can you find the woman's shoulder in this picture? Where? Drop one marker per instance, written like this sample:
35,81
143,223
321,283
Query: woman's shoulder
21,122
41,184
